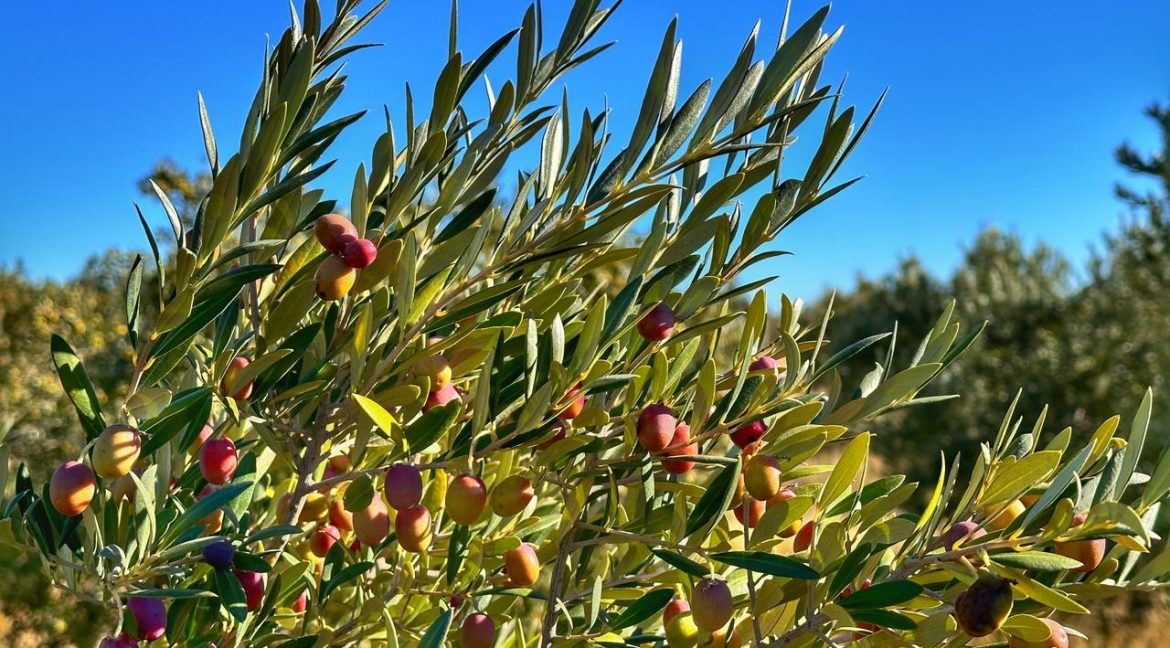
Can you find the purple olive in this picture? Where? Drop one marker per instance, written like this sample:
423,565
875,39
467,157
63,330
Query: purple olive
219,554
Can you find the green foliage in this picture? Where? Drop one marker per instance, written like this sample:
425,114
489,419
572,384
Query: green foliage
503,338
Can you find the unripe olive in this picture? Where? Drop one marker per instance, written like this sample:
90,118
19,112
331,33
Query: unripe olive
755,511
511,495
229,379
748,434
115,451
323,539
315,508
359,253
791,530
740,492
218,460
339,517
680,446
336,465
334,279
674,607
656,427
522,565
763,363
204,434
682,632
1006,517
783,495
371,524
150,616
333,231
71,488
253,584
984,606
304,551
441,396
965,532
466,499
433,366
711,604
658,324
478,631
762,476
123,640
1090,552
805,537
576,404
413,528
404,487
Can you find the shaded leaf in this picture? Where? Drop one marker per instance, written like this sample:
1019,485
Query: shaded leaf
882,595
78,387
646,606
765,563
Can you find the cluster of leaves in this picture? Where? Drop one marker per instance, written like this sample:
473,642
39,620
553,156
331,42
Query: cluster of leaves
506,292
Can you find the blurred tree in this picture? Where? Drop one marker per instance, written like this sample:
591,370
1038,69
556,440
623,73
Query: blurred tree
40,423
185,188
1025,296
36,418
35,413
1023,293
1087,342
1127,301
1154,167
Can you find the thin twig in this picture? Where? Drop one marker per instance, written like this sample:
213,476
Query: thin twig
635,537
751,579
554,586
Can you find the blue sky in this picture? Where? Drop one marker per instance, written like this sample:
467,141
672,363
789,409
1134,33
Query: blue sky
1000,113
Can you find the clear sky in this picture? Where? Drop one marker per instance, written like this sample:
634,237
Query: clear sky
1000,113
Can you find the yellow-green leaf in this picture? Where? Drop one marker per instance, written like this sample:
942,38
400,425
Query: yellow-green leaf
1017,478
375,412
846,471
148,403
